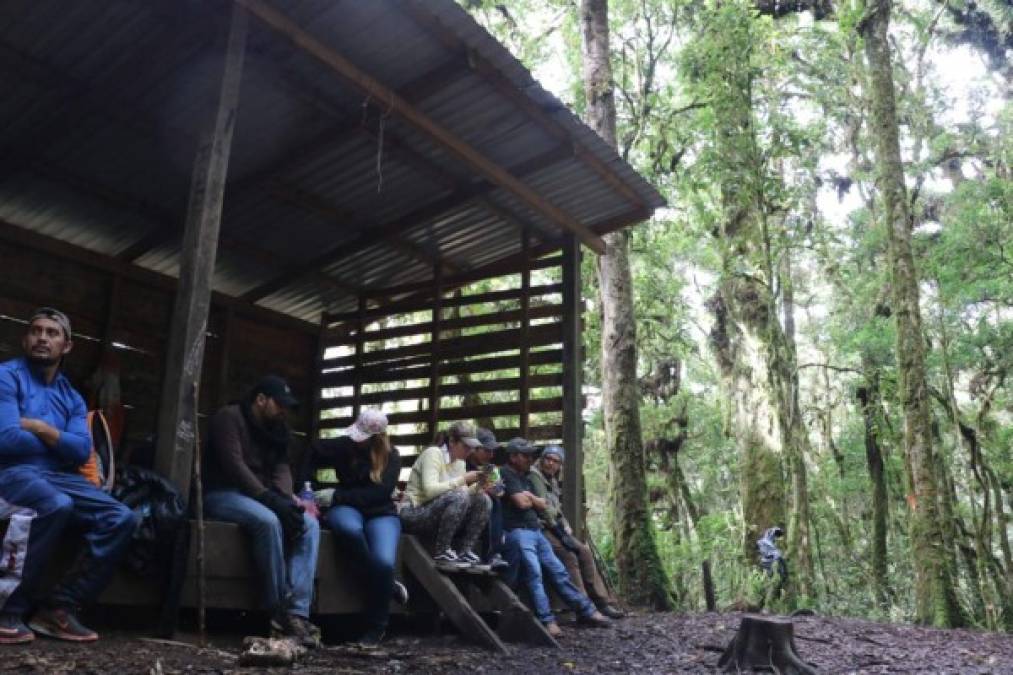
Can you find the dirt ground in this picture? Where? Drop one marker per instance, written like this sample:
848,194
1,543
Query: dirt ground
644,643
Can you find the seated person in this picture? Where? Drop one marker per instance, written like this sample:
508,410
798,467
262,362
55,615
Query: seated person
248,481
439,506
480,459
575,555
528,551
361,512
44,440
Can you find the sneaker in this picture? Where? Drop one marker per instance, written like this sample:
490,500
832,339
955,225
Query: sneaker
497,563
553,629
472,559
371,639
297,628
400,593
13,630
60,623
449,560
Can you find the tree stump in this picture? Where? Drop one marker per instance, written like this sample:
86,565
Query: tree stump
764,642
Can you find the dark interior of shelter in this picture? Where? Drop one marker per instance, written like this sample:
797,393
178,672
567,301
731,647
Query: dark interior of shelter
213,191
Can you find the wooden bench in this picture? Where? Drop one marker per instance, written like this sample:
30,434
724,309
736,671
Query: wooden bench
232,583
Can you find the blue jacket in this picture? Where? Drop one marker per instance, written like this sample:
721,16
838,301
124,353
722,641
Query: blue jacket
24,394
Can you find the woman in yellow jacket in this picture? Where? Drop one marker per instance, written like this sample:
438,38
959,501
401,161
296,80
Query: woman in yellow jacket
440,508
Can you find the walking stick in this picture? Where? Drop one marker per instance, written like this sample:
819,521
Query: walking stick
199,512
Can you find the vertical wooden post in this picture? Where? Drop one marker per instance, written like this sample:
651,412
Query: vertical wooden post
434,368
360,350
225,357
525,356
316,392
185,352
573,379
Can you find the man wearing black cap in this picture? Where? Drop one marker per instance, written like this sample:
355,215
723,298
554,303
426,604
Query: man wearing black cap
528,551
44,440
248,481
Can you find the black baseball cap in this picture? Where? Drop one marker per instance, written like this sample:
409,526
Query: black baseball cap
521,446
278,389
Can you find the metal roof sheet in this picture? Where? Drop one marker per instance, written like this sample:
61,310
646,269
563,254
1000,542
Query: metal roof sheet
103,104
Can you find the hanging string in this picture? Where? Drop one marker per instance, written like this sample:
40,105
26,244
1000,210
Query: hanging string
379,146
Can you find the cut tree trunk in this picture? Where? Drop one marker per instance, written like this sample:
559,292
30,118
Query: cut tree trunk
764,642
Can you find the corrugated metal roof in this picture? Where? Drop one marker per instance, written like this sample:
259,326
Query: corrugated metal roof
103,103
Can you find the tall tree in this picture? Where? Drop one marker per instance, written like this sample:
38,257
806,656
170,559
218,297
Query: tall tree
935,582
641,576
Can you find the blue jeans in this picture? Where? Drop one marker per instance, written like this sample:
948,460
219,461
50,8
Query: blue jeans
66,500
495,529
529,553
371,542
288,583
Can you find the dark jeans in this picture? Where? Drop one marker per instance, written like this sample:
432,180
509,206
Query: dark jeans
287,578
61,499
371,542
495,541
529,553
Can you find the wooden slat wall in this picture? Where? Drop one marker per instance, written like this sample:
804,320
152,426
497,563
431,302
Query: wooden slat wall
446,356
140,319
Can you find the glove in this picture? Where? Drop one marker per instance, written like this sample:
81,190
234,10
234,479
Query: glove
290,514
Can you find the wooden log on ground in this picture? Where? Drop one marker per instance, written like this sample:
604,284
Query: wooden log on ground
764,642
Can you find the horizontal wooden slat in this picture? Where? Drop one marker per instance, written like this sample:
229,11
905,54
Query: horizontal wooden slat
384,373
425,328
551,432
538,405
455,348
455,389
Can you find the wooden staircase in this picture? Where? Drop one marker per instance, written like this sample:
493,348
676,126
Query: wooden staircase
465,596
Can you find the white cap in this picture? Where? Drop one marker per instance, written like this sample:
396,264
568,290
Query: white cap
370,422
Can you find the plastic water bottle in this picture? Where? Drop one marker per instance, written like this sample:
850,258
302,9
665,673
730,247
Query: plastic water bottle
308,501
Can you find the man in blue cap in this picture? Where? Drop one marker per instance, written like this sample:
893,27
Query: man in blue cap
248,481
44,440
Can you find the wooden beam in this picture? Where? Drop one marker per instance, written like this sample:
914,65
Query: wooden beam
538,112
22,236
397,105
447,389
525,355
573,380
435,352
185,351
370,234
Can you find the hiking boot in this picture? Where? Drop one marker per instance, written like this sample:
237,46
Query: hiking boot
596,620
400,593
553,629
371,639
610,611
13,630
296,628
60,623
448,560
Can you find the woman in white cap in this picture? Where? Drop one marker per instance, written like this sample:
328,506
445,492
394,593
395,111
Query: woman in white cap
440,507
361,512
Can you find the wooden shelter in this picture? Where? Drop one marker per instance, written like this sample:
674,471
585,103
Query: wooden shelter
213,190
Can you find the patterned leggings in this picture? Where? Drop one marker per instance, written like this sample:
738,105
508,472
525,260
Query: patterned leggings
455,511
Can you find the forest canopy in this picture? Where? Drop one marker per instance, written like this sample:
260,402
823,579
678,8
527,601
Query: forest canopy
824,311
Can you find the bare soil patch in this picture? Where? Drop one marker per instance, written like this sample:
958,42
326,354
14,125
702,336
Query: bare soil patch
643,643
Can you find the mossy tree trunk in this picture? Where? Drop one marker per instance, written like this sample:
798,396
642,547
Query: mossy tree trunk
936,601
642,579
869,402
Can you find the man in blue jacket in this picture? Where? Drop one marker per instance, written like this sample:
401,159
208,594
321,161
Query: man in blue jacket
44,440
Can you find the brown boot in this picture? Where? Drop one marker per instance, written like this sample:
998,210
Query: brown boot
597,620
553,629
